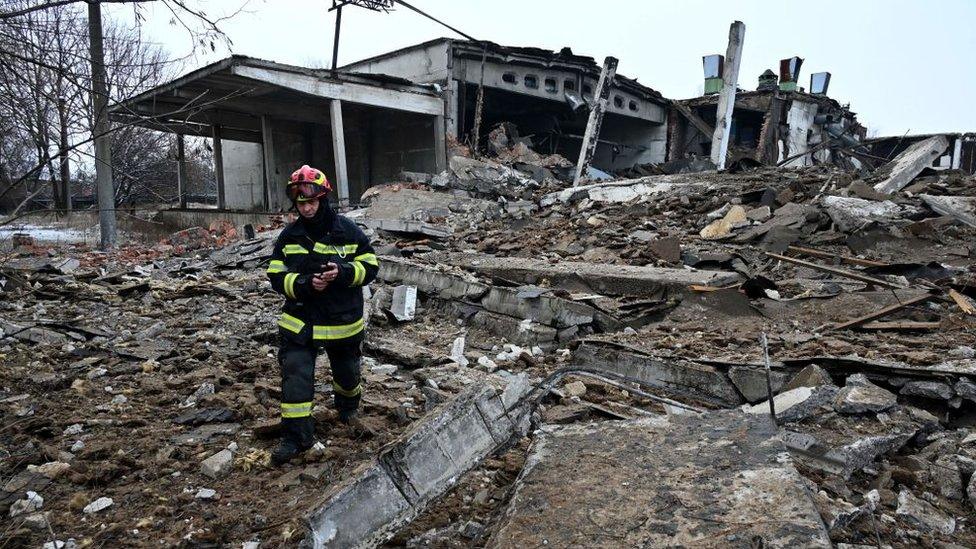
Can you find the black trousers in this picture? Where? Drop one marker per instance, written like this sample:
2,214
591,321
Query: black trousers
297,361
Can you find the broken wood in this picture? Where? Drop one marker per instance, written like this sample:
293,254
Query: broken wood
883,312
843,258
695,120
965,302
900,325
834,270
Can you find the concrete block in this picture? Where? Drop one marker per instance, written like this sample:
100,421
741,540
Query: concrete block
404,302
218,464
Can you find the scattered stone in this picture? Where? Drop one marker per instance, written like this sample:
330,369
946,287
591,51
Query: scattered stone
947,477
37,522
202,391
966,389
810,376
51,469
72,430
751,382
923,514
963,351
78,446
927,389
762,213
32,502
488,364
384,369
472,529
206,493
971,491
96,373
218,464
457,351
99,504
574,389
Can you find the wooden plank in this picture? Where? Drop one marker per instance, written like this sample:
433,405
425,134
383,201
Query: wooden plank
695,120
882,312
964,302
834,270
843,258
592,134
339,152
346,91
900,325
726,99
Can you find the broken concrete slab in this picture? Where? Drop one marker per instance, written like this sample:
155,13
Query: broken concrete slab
797,404
625,280
418,467
928,389
720,468
430,280
751,382
656,186
860,396
923,514
850,214
677,375
898,173
960,208
809,376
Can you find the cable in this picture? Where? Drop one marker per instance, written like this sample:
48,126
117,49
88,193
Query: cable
434,19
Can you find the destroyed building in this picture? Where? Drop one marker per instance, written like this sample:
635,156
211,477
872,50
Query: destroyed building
800,339
777,124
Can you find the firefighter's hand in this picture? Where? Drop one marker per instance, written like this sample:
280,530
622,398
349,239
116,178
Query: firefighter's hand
319,283
330,273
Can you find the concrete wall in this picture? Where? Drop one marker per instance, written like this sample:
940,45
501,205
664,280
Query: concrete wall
430,64
243,175
401,141
800,121
653,138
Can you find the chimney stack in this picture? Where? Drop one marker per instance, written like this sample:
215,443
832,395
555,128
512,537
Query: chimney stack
767,81
819,82
713,65
789,73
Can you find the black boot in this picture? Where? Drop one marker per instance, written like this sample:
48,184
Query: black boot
297,436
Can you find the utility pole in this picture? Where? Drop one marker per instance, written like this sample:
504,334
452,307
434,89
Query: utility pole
103,145
726,101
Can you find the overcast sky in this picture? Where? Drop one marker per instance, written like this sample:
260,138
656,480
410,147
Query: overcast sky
902,65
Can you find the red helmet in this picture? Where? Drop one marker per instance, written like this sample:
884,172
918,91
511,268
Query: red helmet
307,183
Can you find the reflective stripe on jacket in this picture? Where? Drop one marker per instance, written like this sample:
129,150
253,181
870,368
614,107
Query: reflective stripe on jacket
336,312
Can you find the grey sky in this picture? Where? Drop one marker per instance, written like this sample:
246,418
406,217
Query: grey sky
902,65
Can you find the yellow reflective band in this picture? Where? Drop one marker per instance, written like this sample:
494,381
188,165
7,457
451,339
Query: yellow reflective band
356,391
337,332
369,259
290,323
300,409
291,249
290,284
359,275
277,266
342,250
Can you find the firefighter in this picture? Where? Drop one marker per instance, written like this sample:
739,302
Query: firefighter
320,263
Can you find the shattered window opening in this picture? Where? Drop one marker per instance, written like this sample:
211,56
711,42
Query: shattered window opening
531,81
551,85
509,78
632,105
569,85
618,101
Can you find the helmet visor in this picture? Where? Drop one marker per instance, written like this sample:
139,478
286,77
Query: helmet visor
303,192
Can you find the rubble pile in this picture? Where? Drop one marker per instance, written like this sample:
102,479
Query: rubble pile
530,345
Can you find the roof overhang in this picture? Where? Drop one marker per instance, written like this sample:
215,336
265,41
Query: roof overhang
236,92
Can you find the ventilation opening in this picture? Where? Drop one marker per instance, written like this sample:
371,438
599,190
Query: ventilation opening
618,101
587,90
633,106
509,78
569,85
531,81
551,85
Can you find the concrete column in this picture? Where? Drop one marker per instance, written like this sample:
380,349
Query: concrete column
592,134
726,100
957,154
182,180
218,150
440,144
267,144
339,152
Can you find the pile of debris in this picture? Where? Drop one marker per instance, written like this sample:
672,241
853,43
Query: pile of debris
525,338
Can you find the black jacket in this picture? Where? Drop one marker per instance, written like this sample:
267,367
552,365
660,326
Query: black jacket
336,312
